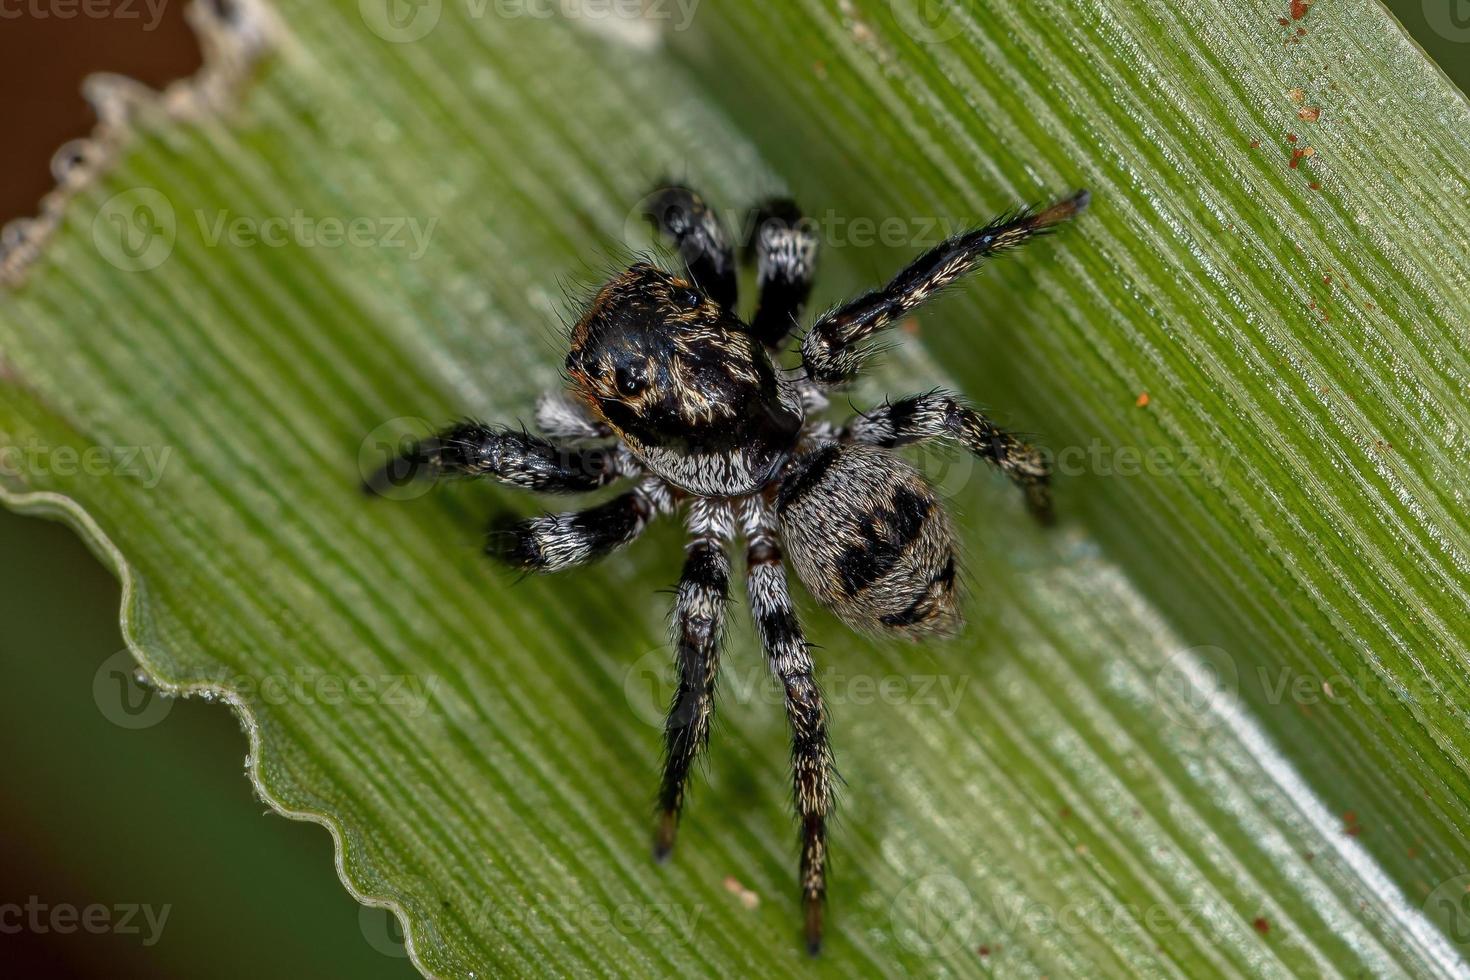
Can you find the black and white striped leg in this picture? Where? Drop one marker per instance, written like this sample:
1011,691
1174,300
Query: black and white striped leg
811,755
785,247
832,351
511,456
697,231
561,416
939,414
552,542
698,626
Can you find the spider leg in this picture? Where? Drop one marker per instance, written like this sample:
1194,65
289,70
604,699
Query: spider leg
790,660
939,414
552,542
699,615
696,230
560,416
785,248
832,352
511,456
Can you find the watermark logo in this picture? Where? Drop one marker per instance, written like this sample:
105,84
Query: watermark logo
135,230
400,21
926,21
1450,19
934,915
1194,684
383,931
405,21
34,458
63,918
301,230
148,11
122,696
385,459
1449,905
649,688
126,699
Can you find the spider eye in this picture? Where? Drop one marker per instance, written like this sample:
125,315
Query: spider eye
688,298
631,380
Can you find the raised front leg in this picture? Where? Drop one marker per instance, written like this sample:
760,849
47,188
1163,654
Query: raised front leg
699,623
511,456
700,236
811,755
832,352
941,415
785,249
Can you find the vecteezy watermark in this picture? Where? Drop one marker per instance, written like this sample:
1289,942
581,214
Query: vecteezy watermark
1193,684
405,21
1450,19
649,688
669,920
63,918
830,228
496,914
301,230
1448,905
124,697
150,12
121,692
144,464
136,230
386,462
926,21
936,915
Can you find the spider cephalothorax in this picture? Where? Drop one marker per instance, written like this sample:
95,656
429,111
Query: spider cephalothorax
672,389
683,383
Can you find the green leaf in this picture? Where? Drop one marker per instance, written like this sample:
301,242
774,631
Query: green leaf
1211,724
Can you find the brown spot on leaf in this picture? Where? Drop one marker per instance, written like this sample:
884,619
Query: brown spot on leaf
1309,113
1299,8
1142,400
747,898
1261,925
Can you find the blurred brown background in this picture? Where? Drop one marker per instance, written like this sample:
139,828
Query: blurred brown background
97,812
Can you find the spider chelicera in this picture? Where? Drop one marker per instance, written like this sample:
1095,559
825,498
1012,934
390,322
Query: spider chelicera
670,389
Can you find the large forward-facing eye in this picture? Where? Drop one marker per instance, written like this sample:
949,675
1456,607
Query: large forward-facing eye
687,297
632,380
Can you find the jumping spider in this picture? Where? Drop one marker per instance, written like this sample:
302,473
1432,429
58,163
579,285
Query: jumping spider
670,388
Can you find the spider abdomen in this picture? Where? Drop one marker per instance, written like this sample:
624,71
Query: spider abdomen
870,540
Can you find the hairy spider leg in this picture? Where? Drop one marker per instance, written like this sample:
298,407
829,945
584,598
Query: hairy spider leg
552,542
938,415
784,246
700,237
833,351
698,632
790,660
512,456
